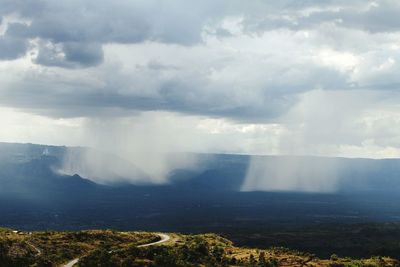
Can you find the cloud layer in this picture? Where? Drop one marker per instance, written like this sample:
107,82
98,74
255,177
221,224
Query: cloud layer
246,62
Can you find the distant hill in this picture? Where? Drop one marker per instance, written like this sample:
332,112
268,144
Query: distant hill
215,171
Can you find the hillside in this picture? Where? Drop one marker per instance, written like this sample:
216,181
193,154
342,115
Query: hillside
111,248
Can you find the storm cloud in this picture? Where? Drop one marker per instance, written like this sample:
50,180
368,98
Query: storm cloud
246,62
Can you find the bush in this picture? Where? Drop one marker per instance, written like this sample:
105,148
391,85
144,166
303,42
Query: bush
334,257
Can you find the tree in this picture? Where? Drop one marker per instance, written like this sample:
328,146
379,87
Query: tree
261,259
252,260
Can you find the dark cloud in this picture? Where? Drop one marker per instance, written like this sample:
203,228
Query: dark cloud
251,77
196,95
12,48
70,55
223,33
74,25
158,66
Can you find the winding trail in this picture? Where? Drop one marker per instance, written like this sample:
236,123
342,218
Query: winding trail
71,263
38,251
164,238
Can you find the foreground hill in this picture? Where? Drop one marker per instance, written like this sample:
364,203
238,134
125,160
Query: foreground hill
111,248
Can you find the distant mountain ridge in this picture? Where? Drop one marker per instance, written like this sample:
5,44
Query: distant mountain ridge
216,171
35,195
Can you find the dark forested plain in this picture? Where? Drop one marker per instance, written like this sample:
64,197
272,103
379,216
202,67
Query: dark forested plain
359,219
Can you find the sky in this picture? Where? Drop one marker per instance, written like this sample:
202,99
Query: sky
257,77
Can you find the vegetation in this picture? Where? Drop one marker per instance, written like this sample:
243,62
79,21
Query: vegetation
120,249
54,248
344,240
